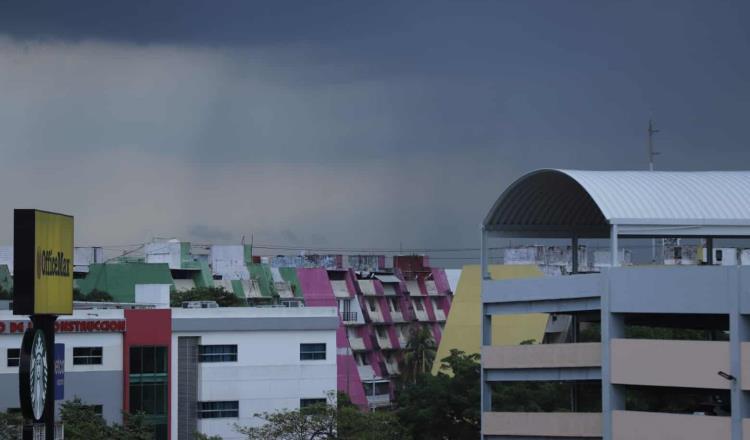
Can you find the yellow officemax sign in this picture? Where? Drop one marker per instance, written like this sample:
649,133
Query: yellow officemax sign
43,260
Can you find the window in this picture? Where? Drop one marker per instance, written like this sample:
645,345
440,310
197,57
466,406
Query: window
382,334
371,302
87,355
719,255
394,305
218,410
376,388
148,386
151,398
362,359
418,304
14,357
217,353
148,360
304,403
312,352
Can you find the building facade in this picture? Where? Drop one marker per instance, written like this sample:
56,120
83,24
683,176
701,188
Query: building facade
188,370
650,352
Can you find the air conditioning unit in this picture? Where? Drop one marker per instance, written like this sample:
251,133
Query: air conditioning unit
200,305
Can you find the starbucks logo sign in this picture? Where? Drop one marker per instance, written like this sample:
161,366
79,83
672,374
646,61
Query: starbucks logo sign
38,374
34,373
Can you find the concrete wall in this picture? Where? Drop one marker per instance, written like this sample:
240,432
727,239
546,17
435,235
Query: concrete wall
634,425
542,356
573,425
692,364
671,289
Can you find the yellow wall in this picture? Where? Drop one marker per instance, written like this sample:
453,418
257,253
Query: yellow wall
463,329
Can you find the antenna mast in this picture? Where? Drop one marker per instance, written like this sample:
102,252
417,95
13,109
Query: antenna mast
651,153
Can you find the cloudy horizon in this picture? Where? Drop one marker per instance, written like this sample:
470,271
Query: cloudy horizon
351,125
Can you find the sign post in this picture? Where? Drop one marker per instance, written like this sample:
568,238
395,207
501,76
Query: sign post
43,289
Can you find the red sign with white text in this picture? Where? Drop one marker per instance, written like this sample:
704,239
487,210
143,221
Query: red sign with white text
70,326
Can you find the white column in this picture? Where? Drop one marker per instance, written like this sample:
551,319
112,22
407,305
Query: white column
614,246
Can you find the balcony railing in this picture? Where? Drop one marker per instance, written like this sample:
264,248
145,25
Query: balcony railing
378,400
384,343
357,344
349,316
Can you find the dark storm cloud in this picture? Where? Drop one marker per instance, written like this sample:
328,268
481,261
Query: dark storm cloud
354,123
227,22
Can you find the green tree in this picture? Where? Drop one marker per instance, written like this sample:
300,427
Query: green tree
83,423
10,426
95,296
445,406
223,297
202,436
134,427
4,294
353,424
326,421
419,354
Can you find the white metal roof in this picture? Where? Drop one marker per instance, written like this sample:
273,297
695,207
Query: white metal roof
558,203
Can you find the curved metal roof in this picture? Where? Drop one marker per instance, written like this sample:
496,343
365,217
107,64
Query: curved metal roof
564,202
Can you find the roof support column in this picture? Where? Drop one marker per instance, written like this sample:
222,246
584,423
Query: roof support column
483,257
614,246
574,246
709,250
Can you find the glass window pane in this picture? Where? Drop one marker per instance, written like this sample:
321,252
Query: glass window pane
135,360
149,397
87,355
136,403
160,402
161,359
148,360
14,357
217,353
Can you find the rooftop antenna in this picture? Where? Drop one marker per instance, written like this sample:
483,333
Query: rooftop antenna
651,154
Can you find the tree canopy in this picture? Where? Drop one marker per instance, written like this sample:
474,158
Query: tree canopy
444,406
223,297
333,420
83,423
10,426
95,296
419,354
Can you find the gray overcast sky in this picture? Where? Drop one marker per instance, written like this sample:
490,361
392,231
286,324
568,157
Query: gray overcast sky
356,124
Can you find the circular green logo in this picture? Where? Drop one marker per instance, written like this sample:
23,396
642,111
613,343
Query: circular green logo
38,374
